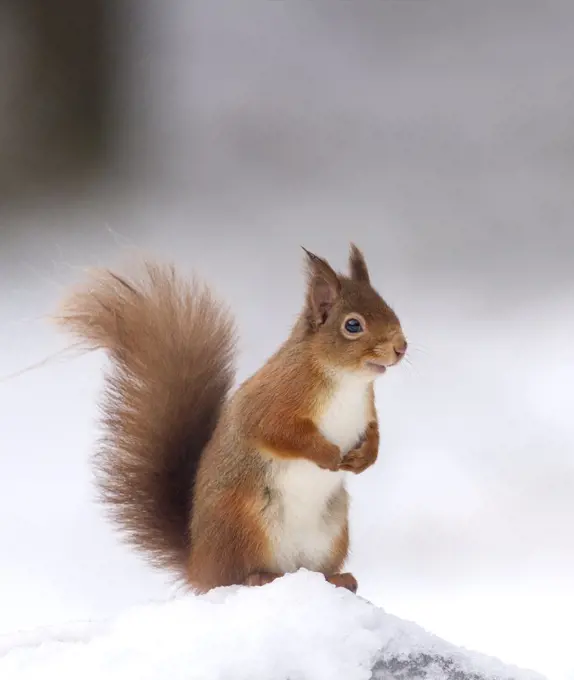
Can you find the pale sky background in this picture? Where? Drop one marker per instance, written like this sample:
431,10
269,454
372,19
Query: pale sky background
437,135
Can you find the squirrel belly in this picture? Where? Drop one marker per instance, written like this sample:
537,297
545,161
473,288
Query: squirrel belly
307,516
308,511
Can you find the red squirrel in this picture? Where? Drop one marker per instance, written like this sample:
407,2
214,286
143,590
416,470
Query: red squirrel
230,488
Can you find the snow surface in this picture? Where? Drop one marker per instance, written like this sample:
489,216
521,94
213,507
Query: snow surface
295,628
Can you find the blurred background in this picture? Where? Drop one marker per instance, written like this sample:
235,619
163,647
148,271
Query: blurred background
437,135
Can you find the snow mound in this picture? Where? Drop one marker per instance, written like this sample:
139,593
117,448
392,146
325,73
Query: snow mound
297,628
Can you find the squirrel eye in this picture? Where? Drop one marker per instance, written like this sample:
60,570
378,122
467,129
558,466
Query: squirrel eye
353,326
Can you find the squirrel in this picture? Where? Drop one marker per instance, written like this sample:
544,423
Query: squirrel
226,487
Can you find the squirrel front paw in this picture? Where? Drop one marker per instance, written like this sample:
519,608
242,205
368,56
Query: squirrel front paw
330,458
364,455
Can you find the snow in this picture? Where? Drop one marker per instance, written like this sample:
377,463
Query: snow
295,628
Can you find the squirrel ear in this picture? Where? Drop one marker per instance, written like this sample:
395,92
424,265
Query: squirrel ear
323,288
357,265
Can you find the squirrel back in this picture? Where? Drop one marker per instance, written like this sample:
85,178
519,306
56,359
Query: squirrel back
172,346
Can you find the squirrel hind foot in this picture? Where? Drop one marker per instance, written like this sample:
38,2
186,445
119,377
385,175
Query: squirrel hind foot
345,580
260,578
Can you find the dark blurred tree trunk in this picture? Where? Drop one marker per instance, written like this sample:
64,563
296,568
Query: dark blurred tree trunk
56,59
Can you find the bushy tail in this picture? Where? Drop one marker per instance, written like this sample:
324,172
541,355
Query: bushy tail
172,347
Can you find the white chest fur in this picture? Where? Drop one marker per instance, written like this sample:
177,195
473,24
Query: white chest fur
344,421
302,527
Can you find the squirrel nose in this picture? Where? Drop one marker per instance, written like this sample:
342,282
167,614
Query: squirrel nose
400,346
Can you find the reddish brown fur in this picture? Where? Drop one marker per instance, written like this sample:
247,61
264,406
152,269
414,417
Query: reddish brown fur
171,345
183,468
339,552
288,430
234,546
261,578
345,580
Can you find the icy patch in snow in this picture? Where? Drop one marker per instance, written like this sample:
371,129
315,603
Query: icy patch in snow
297,628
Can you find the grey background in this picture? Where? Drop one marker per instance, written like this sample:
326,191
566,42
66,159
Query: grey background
437,135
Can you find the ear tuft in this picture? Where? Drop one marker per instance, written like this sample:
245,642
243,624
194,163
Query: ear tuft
323,289
358,266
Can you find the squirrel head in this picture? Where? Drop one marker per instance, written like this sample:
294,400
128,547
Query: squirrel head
349,325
